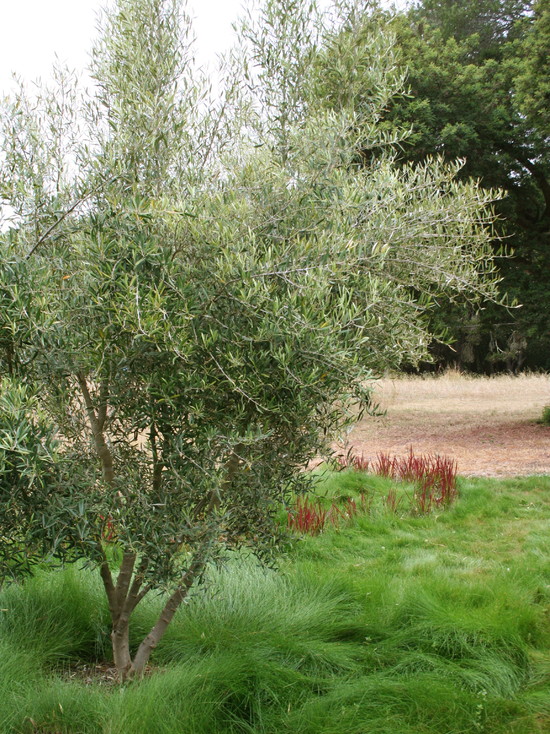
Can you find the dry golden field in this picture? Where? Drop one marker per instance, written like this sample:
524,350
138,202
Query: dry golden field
488,424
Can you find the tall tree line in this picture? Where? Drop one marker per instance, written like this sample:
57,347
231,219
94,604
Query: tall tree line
479,90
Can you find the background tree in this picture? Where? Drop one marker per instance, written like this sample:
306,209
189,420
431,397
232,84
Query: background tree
532,82
186,322
478,79
493,22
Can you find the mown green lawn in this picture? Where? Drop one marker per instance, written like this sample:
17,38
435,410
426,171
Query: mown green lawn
390,624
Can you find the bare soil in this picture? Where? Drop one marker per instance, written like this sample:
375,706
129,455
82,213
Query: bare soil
489,425
100,673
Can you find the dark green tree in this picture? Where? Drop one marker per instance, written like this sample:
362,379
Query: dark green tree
478,80
477,73
533,79
494,22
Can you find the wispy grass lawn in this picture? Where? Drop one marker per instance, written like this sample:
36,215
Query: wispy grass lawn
390,624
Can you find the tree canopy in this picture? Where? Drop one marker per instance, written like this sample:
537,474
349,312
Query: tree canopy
196,291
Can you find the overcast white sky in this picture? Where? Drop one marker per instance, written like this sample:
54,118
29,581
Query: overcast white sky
32,32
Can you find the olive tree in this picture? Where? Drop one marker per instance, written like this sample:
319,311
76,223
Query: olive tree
195,292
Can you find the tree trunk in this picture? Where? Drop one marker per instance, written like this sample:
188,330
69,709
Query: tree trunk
120,638
194,571
170,608
128,591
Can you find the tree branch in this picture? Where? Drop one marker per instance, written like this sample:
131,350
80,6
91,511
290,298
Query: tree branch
64,216
158,463
123,580
102,407
136,593
102,449
107,578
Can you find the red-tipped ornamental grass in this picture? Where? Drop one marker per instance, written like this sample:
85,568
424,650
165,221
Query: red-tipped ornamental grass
351,460
433,477
310,516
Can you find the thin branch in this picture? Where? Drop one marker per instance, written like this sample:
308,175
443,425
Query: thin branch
136,593
102,407
235,386
206,156
102,449
64,216
158,463
107,578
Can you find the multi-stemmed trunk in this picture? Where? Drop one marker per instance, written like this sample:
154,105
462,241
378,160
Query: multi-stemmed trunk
125,595
131,584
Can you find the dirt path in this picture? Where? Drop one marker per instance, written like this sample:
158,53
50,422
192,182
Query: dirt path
489,425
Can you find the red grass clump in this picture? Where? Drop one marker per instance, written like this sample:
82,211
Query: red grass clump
435,474
311,516
433,478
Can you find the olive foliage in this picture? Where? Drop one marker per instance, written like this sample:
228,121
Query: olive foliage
196,291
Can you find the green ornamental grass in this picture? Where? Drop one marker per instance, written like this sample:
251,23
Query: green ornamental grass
390,622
